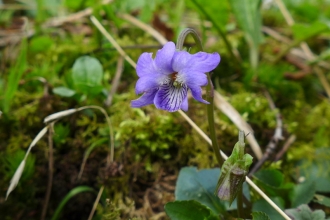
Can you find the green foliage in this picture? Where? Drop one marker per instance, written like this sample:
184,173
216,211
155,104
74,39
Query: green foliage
72,193
272,181
14,77
303,212
187,210
250,106
40,44
316,169
52,70
199,186
303,32
87,74
151,135
263,206
248,17
11,161
259,216
323,200
303,193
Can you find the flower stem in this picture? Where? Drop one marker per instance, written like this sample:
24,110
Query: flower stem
240,203
209,92
220,31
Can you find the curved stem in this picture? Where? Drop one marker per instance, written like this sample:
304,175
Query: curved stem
219,30
209,92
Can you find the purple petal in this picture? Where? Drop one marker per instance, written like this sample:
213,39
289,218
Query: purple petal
148,82
184,105
164,57
170,98
196,92
145,65
180,60
146,99
203,62
192,78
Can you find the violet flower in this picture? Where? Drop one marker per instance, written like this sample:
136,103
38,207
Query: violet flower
165,80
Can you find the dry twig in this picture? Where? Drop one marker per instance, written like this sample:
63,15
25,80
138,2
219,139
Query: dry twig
50,170
305,48
285,147
115,81
272,145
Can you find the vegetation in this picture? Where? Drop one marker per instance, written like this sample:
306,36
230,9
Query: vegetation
96,157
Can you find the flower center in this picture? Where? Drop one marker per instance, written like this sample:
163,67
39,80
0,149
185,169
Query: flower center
173,76
175,80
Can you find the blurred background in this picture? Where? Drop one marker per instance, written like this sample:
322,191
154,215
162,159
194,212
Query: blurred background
274,72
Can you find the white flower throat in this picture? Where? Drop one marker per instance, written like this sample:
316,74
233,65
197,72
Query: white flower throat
176,80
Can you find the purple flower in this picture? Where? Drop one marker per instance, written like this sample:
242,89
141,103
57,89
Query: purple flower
165,80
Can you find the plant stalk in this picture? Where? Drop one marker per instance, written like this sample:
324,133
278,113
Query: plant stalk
209,92
240,211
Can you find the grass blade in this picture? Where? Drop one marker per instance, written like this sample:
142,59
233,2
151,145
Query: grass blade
14,77
72,193
249,19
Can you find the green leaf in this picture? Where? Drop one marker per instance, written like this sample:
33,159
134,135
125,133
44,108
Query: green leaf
259,216
40,44
248,17
199,185
87,74
302,32
322,200
15,74
271,181
218,10
263,206
63,91
303,193
316,169
303,212
72,193
187,210
270,177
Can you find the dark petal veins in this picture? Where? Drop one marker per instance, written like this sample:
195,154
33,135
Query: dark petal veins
146,99
170,98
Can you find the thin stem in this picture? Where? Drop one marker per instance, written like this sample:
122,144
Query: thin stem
112,142
240,211
207,139
50,170
209,92
219,30
95,203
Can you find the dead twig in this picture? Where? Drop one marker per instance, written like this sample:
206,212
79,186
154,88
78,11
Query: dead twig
144,27
50,170
221,103
95,203
115,81
285,147
304,46
53,22
272,145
